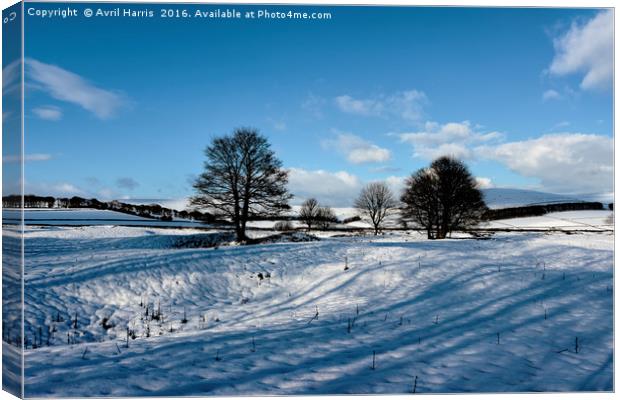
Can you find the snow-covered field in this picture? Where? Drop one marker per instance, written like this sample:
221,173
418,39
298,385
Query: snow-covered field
503,198
87,217
592,220
463,315
494,198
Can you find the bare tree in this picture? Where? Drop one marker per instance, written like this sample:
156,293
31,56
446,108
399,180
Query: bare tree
376,201
242,179
442,198
420,201
309,212
325,217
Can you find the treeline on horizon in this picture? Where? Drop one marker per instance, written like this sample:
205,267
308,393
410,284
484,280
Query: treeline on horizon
156,211
542,209
141,210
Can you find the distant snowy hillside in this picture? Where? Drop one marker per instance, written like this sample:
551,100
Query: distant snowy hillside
87,216
174,204
503,198
495,198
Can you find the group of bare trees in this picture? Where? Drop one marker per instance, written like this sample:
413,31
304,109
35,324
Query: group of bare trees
440,199
243,179
312,214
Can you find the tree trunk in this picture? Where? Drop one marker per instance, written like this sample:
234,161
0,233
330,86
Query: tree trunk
240,231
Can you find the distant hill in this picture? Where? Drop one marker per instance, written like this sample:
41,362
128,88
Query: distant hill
175,204
503,198
495,198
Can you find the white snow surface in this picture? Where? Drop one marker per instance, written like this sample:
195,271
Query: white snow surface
88,216
85,214
504,198
431,309
595,220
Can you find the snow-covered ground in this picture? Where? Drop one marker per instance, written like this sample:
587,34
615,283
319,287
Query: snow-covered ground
87,216
503,198
463,315
594,220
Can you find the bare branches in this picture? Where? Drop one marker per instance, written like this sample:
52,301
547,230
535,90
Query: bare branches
376,201
313,214
442,198
309,212
242,179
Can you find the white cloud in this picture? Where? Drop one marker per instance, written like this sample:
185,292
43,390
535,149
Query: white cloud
396,185
484,183
563,162
67,86
92,187
50,113
451,139
587,48
551,95
385,169
67,188
28,157
456,150
367,107
356,149
406,105
336,189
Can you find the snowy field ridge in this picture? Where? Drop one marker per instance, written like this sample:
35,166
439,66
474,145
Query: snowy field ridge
83,217
461,315
494,198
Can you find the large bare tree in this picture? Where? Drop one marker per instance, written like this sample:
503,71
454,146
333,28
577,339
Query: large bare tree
442,198
242,179
376,201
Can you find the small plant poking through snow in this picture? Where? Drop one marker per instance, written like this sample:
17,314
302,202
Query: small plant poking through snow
184,320
373,360
576,345
316,315
105,323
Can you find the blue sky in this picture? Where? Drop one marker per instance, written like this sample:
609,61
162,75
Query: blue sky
123,107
